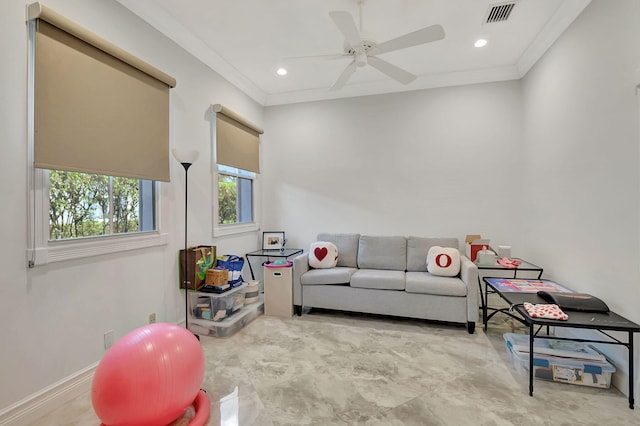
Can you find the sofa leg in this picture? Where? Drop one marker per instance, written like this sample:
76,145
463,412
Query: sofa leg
471,326
298,310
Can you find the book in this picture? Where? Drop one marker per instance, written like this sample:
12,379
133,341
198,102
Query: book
575,301
215,288
520,285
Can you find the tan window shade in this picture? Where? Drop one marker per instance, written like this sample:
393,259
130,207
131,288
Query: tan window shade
94,112
237,141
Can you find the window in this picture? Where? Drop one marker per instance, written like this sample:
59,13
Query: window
235,195
236,147
46,245
84,205
95,111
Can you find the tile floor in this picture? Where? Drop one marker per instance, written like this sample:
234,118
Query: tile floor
331,368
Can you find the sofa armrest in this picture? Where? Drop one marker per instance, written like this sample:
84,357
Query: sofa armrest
300,266
469,275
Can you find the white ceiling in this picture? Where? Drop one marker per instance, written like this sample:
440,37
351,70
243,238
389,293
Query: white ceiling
246,41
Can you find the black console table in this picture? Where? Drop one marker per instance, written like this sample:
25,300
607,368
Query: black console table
524,266
285,253
601,322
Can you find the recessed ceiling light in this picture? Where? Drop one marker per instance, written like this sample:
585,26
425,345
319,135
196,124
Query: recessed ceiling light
281,71
480,43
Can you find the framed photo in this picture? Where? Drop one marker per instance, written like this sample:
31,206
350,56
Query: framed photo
272,240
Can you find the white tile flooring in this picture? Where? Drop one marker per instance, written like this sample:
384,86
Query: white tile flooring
331,368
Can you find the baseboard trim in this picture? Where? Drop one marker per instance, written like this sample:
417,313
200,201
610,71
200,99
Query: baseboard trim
46,400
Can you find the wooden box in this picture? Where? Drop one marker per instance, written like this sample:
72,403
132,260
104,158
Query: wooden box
217,277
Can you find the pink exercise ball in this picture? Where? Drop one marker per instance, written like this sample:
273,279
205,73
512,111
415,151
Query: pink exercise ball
148,377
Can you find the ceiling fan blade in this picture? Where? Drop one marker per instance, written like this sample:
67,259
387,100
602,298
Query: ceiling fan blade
425,35
347,26
318,57
346,74
391,70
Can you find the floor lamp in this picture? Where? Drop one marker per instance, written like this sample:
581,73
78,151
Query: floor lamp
186,158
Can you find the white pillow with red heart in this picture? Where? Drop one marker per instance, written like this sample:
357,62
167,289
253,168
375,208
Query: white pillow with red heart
323,255
443,261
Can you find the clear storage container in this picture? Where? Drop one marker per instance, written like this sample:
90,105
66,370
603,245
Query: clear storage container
214,306
561,361
230,325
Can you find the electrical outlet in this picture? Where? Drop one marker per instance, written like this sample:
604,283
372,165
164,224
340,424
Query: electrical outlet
108,339
152,318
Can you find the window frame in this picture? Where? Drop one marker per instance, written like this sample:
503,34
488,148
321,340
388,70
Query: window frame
41,251
235,228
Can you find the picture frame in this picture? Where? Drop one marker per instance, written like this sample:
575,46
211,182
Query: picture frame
272,240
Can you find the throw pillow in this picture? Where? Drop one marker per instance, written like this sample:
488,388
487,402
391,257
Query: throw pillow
443,261
322,255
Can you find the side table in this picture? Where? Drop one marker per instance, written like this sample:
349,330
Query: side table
484,297
286,253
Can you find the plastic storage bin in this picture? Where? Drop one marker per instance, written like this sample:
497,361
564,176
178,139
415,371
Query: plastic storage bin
230,325
560,361
216,307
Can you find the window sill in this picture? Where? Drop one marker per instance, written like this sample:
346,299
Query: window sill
60,251
224,230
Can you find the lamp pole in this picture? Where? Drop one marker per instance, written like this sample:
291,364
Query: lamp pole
186,158
186,257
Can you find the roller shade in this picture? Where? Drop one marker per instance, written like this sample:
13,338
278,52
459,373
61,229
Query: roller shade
237,140
97,109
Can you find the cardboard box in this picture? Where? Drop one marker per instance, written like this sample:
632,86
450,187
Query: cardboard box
475,243
200,259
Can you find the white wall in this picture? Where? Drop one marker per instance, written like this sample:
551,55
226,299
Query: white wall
440,162
53,317
581,171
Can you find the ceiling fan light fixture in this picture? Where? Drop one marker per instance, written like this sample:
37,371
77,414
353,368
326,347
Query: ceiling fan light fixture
361,59
480,43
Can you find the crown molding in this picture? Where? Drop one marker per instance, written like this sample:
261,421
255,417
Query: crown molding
184,38
564,16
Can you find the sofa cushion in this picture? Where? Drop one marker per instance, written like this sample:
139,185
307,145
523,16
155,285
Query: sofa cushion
323,254
347,245
378,279
389,253
337,275
418,248
424,282
443,261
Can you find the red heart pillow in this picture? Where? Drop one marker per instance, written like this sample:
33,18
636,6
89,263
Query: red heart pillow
322,255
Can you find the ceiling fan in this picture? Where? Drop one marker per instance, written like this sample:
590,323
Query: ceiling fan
360,46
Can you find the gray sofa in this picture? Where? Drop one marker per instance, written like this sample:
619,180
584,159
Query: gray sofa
387,275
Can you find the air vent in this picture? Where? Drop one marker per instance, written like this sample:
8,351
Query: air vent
499,12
